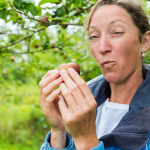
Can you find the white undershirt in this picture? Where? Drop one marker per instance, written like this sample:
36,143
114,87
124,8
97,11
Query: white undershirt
110,117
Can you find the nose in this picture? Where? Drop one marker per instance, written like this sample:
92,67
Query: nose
104,45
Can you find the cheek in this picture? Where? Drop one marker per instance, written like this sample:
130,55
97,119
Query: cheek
129,52
95,52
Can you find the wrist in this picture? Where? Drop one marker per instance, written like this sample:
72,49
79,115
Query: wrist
58,138
58,130
86,143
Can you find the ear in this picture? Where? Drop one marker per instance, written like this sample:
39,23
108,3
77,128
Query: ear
146,42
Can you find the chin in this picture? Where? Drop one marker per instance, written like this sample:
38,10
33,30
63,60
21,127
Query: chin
112,78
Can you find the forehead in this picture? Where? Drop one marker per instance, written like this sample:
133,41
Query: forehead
110,13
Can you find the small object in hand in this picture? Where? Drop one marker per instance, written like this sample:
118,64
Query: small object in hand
70,65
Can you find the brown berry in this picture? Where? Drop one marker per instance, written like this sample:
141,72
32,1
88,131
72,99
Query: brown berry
70,65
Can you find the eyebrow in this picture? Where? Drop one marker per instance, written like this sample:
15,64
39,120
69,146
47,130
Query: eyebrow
112,22
118,20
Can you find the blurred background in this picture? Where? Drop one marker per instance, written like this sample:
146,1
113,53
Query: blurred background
37,36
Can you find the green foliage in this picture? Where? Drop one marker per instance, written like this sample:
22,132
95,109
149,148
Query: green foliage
3,13
22,121
29,47
31,8
27,51
18,3
3,10
27,5
50,1
60,38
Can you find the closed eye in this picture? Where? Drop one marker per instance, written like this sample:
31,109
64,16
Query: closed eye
118,32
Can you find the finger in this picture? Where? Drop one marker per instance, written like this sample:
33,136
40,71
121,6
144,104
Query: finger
73,87
48,73
42,101
53,95
69,99
40,91
51,98
49,79
56,104
50,87
81,84
47,90
63,108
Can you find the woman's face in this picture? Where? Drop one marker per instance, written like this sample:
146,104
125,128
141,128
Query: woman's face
115,44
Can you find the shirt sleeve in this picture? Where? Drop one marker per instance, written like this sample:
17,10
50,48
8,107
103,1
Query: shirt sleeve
69,143
100,146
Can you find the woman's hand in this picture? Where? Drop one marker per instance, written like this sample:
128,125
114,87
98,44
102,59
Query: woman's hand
78,109
49,98
49,104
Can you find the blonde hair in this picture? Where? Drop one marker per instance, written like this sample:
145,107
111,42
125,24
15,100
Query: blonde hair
133,7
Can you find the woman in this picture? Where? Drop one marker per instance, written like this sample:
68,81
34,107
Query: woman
119,37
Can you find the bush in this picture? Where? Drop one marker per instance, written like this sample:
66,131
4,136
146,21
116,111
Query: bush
22,122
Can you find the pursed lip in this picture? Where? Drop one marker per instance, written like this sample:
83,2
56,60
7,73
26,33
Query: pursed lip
104,63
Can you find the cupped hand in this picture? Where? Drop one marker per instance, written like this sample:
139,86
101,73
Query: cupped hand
49,99
78,109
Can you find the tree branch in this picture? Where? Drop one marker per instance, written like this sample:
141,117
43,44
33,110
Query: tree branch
29,36
48,23
56,22
53,46
28,52
18,41
78,13
29,41
28,29
25,14
3,32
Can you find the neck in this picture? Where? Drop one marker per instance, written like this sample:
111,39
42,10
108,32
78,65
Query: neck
123,92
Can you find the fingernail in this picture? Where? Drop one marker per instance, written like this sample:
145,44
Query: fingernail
71,70
52,71
56,71
59,79
58,90
63,71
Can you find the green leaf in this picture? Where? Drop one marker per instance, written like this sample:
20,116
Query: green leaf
31,8
48,1
28,1
3,13
61,11
2,1
72,13
38,10
18,3
3,4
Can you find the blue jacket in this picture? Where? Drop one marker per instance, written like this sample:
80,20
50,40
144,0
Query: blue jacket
132,132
